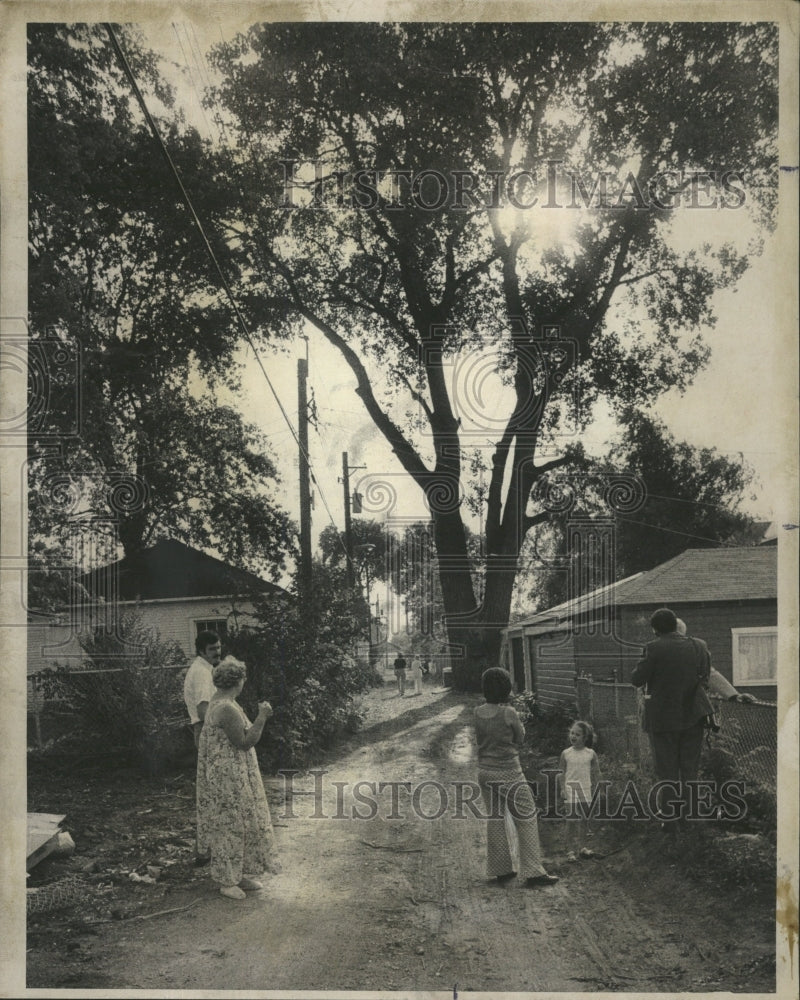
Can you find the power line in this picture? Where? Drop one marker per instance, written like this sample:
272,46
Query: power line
191,76
697,503
209,249
256,164
672,531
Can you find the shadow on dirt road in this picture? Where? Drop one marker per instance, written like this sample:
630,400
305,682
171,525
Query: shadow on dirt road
392,896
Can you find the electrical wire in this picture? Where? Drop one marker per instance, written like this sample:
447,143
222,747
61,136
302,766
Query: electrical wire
674,531
210,251
696,503
191,76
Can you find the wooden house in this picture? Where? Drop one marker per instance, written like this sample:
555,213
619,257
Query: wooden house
726,596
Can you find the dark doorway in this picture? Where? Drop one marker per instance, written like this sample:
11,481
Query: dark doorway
532,661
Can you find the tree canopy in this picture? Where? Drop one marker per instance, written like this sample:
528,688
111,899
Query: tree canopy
587,150
426,196
692,499
117,270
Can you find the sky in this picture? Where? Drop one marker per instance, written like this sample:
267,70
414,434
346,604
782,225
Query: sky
729,407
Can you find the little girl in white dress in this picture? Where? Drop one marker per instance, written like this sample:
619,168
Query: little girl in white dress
579,773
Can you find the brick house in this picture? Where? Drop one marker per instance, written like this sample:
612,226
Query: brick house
727,596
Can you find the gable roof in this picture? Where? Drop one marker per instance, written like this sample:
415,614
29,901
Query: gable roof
170,570
695,576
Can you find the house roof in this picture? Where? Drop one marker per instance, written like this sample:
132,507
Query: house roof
695,576
170,570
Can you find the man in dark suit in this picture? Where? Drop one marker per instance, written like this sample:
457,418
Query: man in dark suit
672,667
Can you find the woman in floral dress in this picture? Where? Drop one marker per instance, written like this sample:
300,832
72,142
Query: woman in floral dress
233,820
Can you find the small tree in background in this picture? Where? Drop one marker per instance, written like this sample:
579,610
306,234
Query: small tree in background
301,658
693,500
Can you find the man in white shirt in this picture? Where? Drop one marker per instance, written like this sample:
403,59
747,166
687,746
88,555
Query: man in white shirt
198,686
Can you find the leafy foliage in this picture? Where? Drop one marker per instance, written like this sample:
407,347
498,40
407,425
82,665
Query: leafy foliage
130,694
692,500
404,291
51,577
548,726
301,659
116,266
378,560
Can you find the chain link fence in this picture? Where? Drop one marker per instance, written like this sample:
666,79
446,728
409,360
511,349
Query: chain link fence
745,748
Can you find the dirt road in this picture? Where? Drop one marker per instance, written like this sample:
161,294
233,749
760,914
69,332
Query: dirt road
403,904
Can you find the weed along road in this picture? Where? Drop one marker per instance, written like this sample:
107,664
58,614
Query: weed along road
383,888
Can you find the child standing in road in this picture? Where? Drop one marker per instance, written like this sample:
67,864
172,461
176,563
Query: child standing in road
579,773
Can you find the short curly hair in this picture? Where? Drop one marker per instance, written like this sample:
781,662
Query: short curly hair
496,685
228,673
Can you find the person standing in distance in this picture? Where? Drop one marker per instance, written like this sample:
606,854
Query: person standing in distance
198,687
400,674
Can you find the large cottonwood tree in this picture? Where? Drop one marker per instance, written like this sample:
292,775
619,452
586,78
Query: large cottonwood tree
619,125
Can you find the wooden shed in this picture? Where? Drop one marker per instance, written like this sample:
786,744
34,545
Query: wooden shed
727,596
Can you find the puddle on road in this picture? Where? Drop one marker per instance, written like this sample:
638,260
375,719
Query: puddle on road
462,749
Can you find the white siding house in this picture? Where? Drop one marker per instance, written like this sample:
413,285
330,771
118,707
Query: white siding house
174,588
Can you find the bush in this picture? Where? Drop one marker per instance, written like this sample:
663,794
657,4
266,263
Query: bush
545,728
130,695
298,659
724,761
526,708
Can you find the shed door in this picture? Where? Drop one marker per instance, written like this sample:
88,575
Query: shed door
518,663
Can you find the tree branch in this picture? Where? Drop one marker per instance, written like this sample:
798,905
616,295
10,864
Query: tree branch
406,453
555,463
530,521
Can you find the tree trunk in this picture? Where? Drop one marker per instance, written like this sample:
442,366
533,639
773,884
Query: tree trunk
477,637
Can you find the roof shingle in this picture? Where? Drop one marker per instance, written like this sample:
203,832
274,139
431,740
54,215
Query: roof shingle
695,576
171,570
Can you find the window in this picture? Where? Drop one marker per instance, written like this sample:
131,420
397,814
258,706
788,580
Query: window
218,625
755,656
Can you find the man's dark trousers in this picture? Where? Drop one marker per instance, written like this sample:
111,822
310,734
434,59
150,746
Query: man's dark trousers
676,755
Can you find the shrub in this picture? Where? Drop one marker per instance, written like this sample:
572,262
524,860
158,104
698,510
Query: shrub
129,697
298,659
725,761
526,707
546,728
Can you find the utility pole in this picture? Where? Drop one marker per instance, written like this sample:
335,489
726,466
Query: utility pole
348,526
305,489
